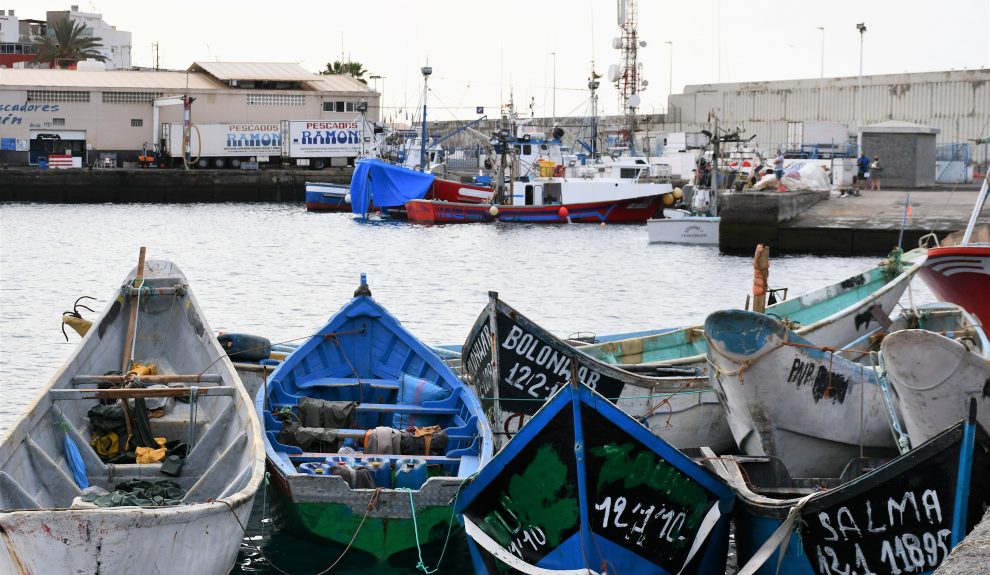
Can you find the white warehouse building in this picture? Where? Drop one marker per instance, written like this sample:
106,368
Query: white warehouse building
94,114
956,103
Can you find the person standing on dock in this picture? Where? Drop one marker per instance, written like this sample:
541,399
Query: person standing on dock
862,172
876,170
778,165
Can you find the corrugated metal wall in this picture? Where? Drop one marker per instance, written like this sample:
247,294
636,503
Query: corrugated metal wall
957,103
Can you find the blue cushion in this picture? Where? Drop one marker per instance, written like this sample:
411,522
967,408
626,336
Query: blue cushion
415,391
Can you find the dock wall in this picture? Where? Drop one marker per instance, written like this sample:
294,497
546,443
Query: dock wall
750,218
972,556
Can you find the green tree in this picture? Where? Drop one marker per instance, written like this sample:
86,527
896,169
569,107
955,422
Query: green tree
66,45
354,69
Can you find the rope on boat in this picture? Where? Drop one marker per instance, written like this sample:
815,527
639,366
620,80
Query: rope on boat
421,565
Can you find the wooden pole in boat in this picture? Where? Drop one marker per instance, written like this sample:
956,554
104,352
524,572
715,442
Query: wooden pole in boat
761,271
132,321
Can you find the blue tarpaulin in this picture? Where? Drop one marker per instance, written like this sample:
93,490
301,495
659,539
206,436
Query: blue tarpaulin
385,185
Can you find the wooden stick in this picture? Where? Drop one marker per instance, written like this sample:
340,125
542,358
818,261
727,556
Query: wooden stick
203,378
761,271
137,392
132,321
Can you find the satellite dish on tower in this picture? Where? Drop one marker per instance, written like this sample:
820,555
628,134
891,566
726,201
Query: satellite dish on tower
642,43
613,73
634,101
617,43
644,83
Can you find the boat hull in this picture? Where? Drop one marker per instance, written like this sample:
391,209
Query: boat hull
515,366
961,275
935,377
327,510
104,541
902,517
696,230
785,398
620,211
322,197
451,191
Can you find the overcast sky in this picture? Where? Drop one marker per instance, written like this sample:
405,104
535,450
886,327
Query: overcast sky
482,51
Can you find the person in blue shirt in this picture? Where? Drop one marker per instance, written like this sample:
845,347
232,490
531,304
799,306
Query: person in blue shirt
863,168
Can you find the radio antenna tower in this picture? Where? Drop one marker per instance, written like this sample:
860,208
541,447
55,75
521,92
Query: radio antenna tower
627,76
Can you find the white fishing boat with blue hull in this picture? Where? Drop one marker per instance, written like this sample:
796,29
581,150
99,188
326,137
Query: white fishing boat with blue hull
936,369
583,489
55,509
360,398
903,516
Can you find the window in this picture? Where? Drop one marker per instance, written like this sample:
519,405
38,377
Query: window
340,106
58,121
137,122
527,150
349,106
628,173
57,96
130,97
276,100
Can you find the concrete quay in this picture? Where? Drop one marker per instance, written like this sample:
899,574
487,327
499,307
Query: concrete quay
972,555
812,222
121,185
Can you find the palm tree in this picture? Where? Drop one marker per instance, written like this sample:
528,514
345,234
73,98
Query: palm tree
66,45
353,69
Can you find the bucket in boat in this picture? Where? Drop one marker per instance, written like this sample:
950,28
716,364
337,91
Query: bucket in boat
410,473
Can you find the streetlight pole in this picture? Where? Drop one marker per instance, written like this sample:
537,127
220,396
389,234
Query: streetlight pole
670,81
821,75
554,54
859,93
376,78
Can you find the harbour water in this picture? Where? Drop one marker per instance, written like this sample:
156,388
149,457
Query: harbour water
279,271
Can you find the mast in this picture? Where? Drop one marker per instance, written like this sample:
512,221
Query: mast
426,70
715,151
593,85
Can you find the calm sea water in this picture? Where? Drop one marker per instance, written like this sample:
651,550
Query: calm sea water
279,271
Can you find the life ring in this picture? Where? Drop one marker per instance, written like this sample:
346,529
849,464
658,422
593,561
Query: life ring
559,170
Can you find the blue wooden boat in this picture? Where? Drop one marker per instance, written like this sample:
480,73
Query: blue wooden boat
584,488
385,405
327,197
903,516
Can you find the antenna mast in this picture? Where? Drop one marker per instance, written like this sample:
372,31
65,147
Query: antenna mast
627,76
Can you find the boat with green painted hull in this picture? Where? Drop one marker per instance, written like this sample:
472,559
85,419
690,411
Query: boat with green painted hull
832,315
370,435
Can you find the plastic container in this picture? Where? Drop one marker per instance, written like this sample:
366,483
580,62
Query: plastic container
314,468
335,459
381,470
410,473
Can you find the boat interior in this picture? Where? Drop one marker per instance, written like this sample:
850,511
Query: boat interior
199,405
366,362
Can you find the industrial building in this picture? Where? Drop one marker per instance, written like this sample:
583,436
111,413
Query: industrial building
955,103
96,114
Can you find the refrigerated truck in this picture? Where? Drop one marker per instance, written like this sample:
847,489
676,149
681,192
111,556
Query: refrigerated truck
313,144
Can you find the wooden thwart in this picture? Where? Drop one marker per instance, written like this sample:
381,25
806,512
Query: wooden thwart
138,392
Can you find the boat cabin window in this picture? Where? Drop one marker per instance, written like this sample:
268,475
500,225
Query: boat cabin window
551,194
529,195
527,150
628,173
544,147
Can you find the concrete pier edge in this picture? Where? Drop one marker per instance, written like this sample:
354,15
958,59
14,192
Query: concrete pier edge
972,555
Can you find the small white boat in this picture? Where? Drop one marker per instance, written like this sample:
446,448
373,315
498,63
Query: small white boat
935,370
70,502
681,227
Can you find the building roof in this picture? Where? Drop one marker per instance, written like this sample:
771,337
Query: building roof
107,79
898,127
273,71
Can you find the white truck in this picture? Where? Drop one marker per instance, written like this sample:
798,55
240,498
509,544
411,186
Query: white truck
313,144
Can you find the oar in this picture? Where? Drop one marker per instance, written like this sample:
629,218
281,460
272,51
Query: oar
131,338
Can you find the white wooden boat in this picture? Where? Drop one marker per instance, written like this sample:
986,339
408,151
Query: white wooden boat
684,229
936,370
48,524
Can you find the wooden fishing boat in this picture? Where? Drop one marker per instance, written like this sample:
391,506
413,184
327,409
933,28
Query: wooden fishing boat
833,315
959,271
327,197
900,517
584,488
362,396
621,210
514,366
788,398
934,370
54,484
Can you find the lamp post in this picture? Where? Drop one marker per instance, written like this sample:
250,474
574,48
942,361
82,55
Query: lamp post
821,74
859,92
554,54
670,80
376,78
381,97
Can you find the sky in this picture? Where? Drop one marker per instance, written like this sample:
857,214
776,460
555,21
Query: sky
484,52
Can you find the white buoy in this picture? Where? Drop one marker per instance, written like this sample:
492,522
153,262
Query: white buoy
347,199
493,211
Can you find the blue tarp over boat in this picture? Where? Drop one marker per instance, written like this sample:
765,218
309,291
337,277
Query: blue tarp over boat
386,185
